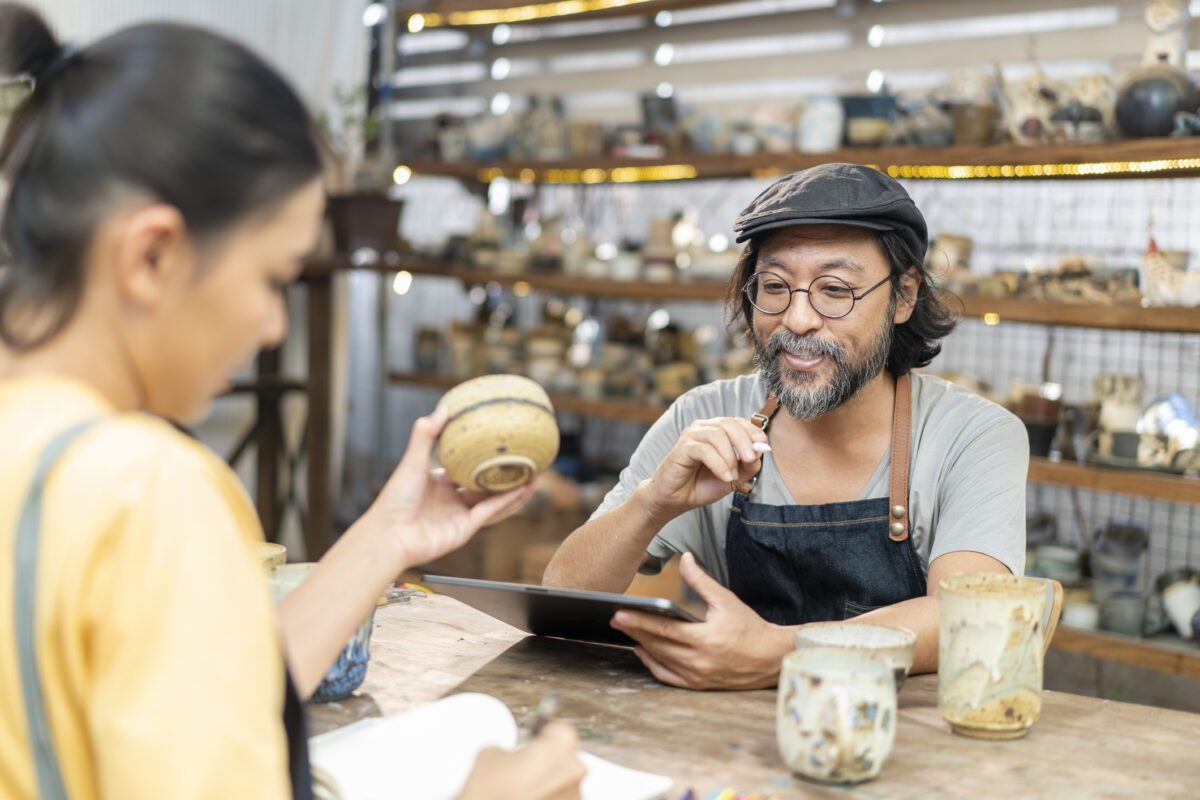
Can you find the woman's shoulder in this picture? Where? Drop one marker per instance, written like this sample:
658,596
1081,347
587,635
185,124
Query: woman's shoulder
139,446
137,467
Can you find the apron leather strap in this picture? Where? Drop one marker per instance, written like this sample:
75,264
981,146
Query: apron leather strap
762,419
901,439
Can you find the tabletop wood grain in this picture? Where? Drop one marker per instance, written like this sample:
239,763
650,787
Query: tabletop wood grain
708,741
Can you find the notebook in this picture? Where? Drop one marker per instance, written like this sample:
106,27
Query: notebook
426,754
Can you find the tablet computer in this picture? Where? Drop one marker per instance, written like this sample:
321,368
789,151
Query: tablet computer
547,611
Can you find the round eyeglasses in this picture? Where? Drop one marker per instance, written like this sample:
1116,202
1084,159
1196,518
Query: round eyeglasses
830,296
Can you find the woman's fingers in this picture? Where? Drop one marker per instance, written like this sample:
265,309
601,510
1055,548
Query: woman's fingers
414,466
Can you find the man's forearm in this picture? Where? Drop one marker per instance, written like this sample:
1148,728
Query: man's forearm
604,555
919,615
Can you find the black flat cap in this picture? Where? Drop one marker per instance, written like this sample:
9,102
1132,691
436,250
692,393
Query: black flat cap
836,194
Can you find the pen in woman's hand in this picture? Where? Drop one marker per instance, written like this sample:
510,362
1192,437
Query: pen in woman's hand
547,710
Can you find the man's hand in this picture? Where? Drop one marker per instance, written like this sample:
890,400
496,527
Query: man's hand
709,457
733,648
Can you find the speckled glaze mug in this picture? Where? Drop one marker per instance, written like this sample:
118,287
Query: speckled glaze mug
836,715
347,673
993,636
895,647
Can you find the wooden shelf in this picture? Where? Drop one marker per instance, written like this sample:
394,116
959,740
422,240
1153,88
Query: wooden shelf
1128,318
644,413
591,287
1140,158
1142,483
1163,654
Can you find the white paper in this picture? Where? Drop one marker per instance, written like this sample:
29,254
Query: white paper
426,754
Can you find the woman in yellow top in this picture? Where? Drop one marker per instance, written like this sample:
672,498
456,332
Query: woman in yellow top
162,193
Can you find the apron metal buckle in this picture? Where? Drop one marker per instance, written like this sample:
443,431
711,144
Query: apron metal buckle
761,420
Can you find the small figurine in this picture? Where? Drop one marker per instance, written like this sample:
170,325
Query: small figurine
1162,280
1028,109
1168,22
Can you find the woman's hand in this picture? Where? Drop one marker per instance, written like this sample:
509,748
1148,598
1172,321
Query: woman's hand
425,510
545,769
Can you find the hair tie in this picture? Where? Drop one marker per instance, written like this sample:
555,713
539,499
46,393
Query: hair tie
65,56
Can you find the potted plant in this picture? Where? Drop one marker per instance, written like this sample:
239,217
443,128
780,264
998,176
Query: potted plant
361,213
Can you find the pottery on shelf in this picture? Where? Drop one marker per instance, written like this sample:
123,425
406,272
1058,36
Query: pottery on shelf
1151,97
501,433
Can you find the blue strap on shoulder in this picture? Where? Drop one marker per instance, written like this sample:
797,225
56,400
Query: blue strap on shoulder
29,529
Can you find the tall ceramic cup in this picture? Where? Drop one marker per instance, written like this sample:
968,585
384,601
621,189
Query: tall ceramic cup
836,715
994,633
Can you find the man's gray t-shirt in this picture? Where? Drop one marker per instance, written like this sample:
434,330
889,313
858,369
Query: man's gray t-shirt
969,459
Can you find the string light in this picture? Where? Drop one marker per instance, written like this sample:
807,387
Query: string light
1073,170
502,16
679,172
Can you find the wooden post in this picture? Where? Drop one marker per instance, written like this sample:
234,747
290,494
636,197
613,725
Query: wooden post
319,531
268,442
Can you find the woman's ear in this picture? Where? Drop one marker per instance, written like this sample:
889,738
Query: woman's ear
153,254
906,298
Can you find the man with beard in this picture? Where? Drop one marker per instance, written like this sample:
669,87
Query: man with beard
831,484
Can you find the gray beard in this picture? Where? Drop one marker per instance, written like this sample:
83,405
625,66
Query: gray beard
796,394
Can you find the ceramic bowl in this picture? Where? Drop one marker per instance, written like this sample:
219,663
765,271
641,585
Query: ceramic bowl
892,646
347,673
501,433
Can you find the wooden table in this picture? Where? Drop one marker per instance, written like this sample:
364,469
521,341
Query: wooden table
1081,747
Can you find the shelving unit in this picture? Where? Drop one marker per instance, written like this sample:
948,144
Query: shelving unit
1170,488
1137,482
642,413
1139,158
992,310
1128,318
1167,654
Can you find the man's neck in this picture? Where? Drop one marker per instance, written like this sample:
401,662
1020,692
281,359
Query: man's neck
860,419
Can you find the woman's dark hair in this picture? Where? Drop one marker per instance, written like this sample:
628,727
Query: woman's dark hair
168,112
914,343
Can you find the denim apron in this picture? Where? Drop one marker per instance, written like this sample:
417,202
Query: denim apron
50,784
798,564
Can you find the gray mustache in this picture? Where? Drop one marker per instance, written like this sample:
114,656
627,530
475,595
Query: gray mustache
802,346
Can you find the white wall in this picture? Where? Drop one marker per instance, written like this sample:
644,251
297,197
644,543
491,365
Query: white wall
314,42
317,45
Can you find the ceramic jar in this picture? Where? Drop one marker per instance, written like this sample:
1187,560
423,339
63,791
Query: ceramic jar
894,647
501,433
820,125
993,635
1180,590
835,714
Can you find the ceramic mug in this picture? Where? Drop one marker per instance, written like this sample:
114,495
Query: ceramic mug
271,555
835,717
348,672
993,636
892,646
